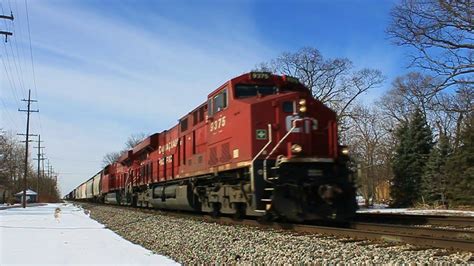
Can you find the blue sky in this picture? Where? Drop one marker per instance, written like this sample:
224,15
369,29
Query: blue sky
106,69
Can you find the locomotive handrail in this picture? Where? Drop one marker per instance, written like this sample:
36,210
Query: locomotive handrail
270,139
126,187
265,175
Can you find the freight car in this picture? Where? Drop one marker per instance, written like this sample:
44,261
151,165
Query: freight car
260,145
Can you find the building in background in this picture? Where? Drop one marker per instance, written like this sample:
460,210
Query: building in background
31,196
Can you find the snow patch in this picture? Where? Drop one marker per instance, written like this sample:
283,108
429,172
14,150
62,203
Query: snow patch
64,234
380,209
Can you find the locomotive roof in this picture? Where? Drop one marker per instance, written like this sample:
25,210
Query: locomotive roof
249,77
125,156
148,143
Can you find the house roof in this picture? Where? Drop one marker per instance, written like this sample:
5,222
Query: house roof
29,192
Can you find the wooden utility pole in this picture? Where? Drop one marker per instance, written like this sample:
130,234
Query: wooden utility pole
39,164
50,174
6,33
27,135
42,164
47,167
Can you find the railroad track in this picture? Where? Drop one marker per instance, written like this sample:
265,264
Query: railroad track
453,239
389,234
416,219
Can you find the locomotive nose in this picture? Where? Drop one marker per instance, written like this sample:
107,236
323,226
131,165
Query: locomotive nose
329,192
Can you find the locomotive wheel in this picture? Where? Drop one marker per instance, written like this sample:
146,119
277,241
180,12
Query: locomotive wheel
215,210
134,200
240,211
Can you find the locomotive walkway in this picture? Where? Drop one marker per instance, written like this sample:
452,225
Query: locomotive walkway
64,234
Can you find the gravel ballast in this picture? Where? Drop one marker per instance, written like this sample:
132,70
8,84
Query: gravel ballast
191,241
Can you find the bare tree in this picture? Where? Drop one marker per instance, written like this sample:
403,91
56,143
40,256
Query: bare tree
334,82
132,141
110,158
408,93
451,110
442,35
372,145
444,111
11,160
12,155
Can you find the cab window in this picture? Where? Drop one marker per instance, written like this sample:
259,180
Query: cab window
209,107
201,114
184,124
244,91
219,102
288,107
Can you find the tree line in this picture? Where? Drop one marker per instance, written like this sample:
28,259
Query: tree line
415,144
12,165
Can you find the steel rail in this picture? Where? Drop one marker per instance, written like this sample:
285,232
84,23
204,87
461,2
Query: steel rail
420,231
393,237
425,237
419,219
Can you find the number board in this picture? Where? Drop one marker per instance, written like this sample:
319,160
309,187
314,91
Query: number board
260,75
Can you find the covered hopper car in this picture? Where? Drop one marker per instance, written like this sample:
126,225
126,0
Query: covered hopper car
259,145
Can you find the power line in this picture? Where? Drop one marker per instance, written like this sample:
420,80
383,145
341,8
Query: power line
12,63
9,74
15,41
32,60
31,49
7,112
20,35
15,60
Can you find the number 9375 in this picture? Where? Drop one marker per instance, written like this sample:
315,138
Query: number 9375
217,124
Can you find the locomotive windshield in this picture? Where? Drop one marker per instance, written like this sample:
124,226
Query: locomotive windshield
244,91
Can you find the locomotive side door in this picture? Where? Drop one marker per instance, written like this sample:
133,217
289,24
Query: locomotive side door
218,137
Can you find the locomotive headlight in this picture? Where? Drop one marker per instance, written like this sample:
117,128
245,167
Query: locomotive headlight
296,148
302,105
345,150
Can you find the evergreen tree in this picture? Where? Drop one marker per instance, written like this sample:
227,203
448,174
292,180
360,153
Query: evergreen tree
415,143
460,168
421,145
400,187
434,181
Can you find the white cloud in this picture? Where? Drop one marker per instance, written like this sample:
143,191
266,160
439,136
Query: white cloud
102,78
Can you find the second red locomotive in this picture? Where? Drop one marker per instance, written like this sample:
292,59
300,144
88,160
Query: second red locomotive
260,145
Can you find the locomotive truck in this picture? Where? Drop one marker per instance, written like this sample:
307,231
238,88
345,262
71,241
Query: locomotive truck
260,145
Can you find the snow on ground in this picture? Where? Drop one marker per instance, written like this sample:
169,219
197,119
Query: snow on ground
41,235
17,205
6,205
417,211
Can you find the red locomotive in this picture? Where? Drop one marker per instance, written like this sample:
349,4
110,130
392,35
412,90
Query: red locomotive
260,145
